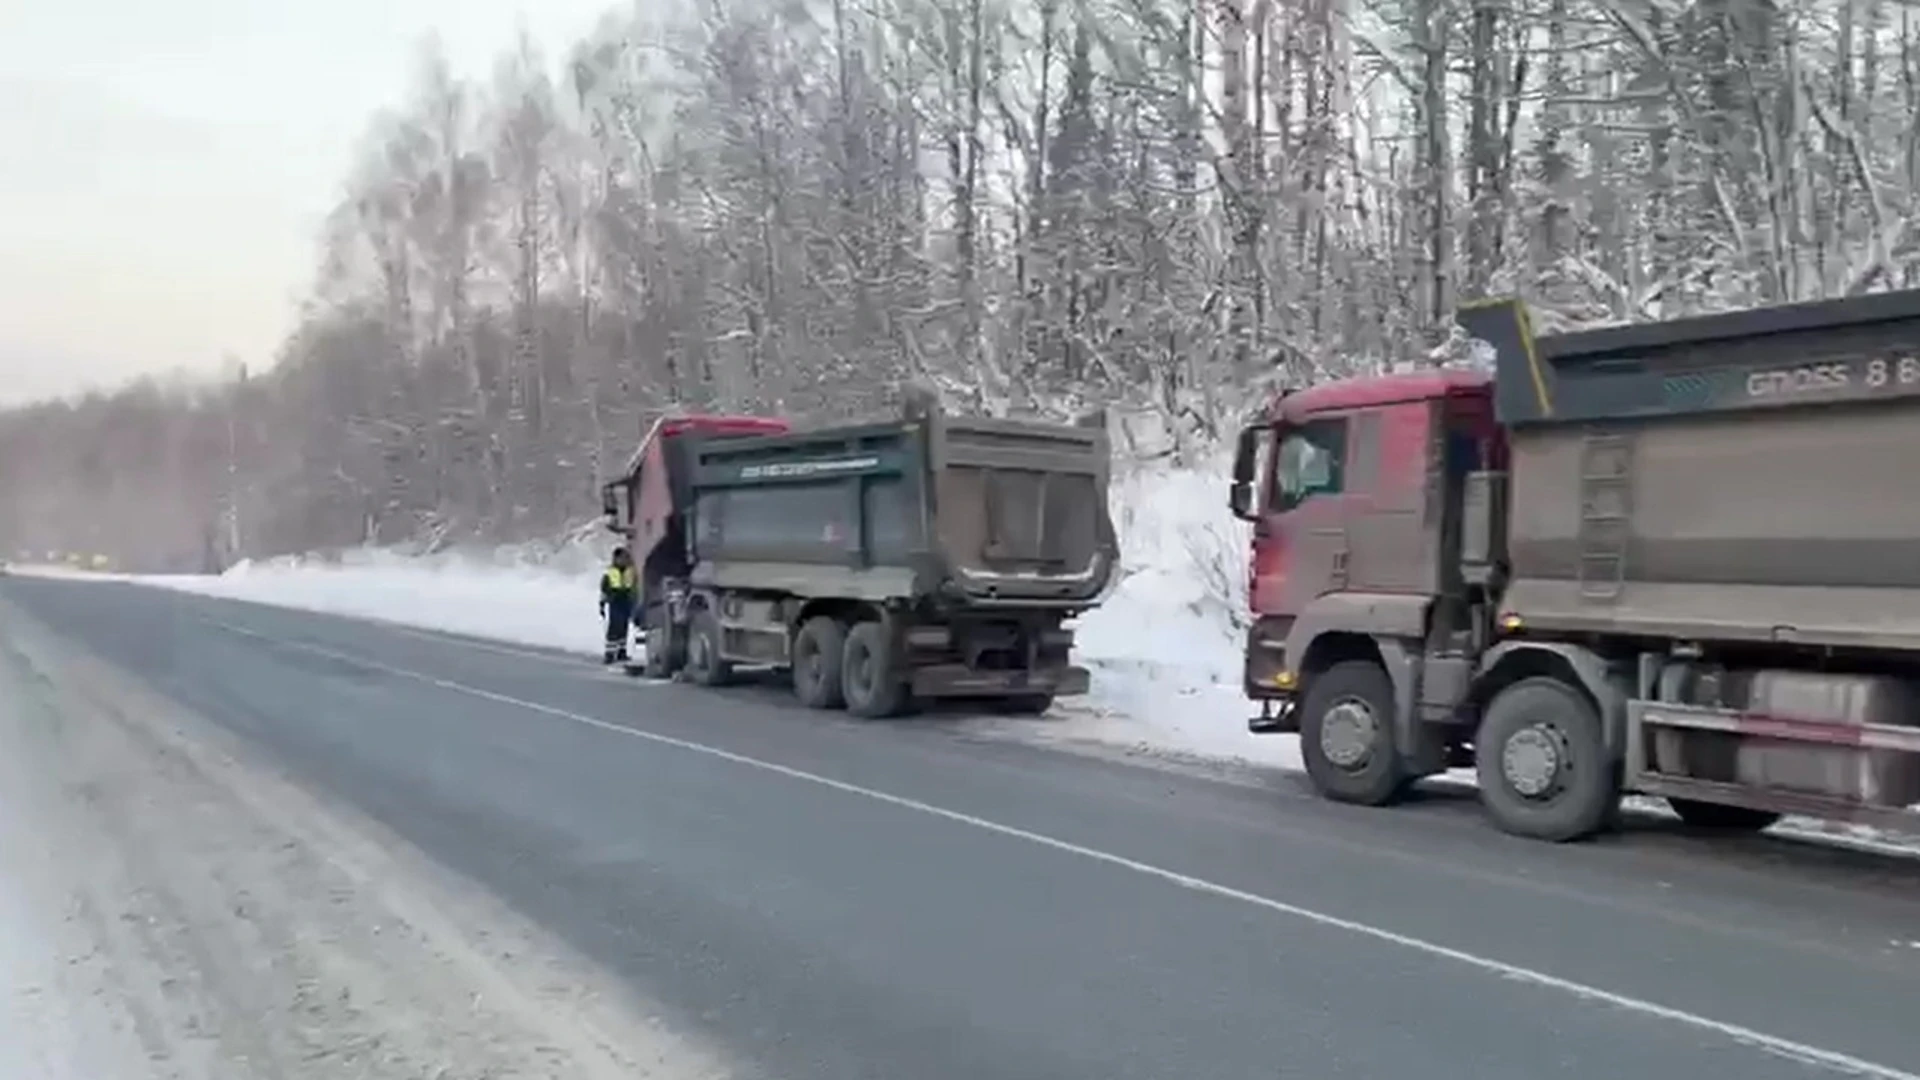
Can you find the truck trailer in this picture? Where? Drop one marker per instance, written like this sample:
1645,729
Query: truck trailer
918,557
1675,559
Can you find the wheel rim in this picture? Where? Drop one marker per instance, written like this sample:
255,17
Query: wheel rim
697,652
1348,732
1534,761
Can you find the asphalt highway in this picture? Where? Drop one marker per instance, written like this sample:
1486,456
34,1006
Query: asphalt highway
830,899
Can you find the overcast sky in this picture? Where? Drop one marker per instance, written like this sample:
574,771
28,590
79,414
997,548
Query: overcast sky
165,164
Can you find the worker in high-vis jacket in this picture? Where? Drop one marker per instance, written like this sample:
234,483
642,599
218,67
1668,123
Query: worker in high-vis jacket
619,593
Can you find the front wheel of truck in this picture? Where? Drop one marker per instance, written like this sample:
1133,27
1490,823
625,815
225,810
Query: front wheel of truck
1542,761
666,647
819,652
1346,735
870,675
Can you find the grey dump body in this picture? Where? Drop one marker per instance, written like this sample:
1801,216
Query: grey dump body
952,512
1711,523
1744,477
921,556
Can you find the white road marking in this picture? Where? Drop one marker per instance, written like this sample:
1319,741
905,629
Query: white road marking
552,655
1831,1060
443,637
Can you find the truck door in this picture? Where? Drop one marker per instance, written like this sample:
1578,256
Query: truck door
652,495
1384,498
1300,540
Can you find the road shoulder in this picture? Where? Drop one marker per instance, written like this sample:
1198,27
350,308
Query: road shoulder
176,907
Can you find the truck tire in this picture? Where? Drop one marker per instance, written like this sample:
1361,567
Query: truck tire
705,664
666,645
1543,765
1720,817
870,676
1346,735
819,652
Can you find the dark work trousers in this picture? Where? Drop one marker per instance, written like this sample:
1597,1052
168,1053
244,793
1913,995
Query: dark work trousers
619,615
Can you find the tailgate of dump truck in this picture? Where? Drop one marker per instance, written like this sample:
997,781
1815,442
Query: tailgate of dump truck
1021,509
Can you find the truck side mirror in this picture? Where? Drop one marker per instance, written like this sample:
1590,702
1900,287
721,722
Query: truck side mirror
1240,500
1246,456
613,500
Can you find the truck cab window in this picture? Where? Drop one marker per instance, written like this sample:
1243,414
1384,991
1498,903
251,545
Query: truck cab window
1312,462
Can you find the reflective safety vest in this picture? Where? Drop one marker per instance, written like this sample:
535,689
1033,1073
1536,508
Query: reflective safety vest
620,579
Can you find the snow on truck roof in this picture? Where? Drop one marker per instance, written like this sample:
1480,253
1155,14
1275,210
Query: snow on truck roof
1364,390
678,423
674,425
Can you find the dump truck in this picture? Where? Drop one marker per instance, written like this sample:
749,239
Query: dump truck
1675,559
921,556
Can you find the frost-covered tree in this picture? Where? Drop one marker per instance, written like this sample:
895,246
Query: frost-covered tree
1156,206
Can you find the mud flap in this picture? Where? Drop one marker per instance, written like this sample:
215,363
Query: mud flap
1276,718
958,680
635,666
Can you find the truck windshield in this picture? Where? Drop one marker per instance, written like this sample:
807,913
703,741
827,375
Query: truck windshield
1311,462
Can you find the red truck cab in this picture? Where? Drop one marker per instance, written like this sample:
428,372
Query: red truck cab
1353,489
643,504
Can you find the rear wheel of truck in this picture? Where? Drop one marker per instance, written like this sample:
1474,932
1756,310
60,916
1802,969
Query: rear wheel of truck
1720,817
1346,734
1542,761
819,652
705,664
870,673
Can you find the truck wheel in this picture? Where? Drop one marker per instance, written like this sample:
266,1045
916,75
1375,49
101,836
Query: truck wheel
870,673
1543,765
705,664
1720,817
818,656
1346,734
666,649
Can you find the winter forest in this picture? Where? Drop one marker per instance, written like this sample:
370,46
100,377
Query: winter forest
1036,206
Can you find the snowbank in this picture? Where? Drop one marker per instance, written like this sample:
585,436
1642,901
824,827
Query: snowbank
1164,649
539,596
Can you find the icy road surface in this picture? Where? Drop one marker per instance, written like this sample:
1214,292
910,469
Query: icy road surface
171,908
265,842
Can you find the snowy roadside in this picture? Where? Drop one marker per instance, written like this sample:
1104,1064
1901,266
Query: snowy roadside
1164,649
172,908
